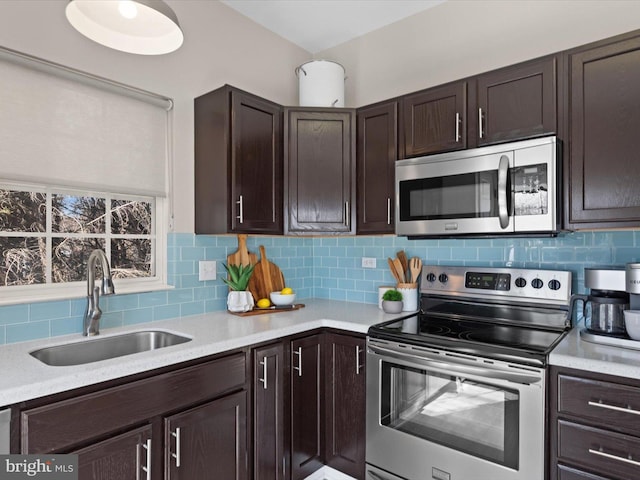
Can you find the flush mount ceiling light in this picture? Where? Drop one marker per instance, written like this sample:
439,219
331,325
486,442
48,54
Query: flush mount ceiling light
145,27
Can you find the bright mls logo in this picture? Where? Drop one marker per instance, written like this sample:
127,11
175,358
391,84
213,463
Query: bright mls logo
50,467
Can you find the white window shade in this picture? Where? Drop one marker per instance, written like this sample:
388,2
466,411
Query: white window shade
62,127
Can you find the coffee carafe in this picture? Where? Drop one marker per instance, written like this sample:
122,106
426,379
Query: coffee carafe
604,306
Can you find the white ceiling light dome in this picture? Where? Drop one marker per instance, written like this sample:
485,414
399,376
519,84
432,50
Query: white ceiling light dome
145,27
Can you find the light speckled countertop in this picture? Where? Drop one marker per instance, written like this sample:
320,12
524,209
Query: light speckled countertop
24,377
574,352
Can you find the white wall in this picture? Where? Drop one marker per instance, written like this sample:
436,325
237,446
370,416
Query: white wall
460,38
450,41
220,46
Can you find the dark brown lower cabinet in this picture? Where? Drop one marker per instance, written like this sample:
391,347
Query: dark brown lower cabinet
595,433
307,406
345,400
122,457
269,461
208,441
201,408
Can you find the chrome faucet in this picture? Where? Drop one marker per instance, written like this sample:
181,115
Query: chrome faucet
93,313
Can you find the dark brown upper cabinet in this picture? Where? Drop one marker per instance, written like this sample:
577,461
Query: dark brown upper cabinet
434,120
514,103
238,163
603,172
377,152
320,170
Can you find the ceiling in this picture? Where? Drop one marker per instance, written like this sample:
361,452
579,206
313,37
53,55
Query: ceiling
316,25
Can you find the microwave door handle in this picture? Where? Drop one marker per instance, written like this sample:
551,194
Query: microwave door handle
503,172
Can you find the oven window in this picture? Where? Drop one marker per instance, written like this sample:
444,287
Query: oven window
469,195
470,416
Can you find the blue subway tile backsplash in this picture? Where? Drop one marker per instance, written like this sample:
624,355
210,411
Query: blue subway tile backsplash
315,267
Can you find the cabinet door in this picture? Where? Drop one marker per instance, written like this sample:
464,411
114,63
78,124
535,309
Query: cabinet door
256,165
320,171
435,120
377,152
604,171
517,102
307,407
123,457
268,414
209,441
345,403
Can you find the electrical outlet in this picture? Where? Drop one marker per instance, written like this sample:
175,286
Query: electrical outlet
207,270
368,262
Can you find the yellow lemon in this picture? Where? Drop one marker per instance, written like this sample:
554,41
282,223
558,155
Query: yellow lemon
286,291
264,303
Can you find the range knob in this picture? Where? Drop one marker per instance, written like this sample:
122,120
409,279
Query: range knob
521,282
443,278
431,277
554,284
537,283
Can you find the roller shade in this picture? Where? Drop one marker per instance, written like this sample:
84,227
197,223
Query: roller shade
62,127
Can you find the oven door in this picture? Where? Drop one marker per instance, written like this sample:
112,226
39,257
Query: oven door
446,416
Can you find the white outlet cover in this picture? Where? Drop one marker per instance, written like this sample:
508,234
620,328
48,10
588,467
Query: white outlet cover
368,262
207,270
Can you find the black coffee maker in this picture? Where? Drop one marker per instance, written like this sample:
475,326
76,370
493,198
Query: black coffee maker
603,309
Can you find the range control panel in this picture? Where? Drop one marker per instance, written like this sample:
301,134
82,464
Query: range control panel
525,285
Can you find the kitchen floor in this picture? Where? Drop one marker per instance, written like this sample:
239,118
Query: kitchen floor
328,473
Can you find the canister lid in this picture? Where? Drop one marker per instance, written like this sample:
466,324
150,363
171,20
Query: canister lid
608,278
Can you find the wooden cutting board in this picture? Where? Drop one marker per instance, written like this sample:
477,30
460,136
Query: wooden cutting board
242,256
266,278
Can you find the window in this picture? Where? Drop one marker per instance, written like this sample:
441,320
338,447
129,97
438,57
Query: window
84,164
47,235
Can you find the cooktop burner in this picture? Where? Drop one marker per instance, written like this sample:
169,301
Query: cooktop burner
512,323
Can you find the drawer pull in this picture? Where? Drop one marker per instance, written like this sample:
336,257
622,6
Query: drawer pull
613,407
177,455
614,457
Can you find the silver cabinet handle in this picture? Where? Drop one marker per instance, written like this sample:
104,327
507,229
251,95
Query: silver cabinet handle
613,407
457,127
388,210
614,457
240,209
264,372
480,117
176,455
347,216
299,367
147,466
503,172
359,366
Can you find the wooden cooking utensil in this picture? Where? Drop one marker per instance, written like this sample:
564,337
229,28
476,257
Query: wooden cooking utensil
392,267
415,265
242,256
404,261
399,270
266,278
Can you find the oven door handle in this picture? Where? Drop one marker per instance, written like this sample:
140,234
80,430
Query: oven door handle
455,368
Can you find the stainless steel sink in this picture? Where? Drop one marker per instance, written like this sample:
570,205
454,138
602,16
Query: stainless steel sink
109,347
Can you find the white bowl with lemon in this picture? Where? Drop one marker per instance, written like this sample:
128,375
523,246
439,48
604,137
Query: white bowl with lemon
284,297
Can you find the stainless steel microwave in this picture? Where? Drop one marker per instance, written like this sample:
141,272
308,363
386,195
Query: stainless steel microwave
512,188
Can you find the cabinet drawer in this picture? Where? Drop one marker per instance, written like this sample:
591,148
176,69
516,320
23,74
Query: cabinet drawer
601,451
566,473
608,404
60,425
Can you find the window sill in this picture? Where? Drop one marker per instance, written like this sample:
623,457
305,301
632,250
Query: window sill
46,293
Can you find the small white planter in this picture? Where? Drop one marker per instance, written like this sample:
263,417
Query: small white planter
392,306
239,301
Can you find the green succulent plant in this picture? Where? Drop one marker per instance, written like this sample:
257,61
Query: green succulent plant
238,276
392,296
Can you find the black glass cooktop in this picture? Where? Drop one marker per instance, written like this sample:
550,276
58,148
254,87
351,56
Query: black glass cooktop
471,333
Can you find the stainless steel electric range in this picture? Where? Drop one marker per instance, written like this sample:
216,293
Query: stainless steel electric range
457,391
